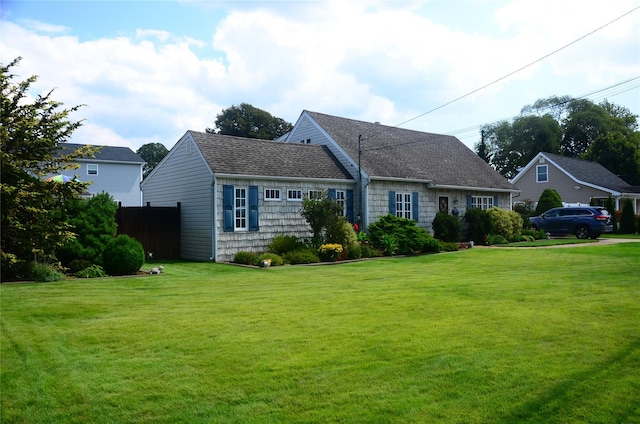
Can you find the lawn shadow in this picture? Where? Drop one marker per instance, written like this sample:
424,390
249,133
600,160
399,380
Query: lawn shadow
569,399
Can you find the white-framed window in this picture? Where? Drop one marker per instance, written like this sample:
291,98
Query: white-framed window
240,208
403,205
314,194
92,169
482,202
542,173
295,195
272,194
341,199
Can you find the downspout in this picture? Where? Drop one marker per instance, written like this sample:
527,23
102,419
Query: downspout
214,232
359,220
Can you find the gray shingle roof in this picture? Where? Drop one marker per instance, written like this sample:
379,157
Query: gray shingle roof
106,153
244,156
402,153
591,172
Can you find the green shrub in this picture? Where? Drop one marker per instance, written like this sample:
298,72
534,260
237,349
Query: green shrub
93,271
628,219
329,252
276,260
548,199
42,272
496,239
446,227
353,251
535,235
305,256
94,222
245,258
409,238
340,231
525,210
478,225
431,245
78,265
389,244
368,251
122,256
505,223
282,244
448,246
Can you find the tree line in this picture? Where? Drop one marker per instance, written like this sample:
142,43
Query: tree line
579,128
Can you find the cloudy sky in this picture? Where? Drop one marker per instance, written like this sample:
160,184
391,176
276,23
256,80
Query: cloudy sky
148,71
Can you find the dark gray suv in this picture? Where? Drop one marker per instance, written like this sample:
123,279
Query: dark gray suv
584,222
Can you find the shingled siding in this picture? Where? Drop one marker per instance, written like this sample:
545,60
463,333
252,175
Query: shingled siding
184,177
379,200
275,217
427,200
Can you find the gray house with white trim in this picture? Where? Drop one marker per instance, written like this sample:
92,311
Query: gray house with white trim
407,173
577,181
236,194
115,170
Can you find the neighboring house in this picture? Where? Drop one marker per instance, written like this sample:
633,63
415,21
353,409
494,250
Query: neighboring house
577,181
236,194
115,170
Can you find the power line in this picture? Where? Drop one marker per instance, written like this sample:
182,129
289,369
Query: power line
509,74
620,89
616,92
475,128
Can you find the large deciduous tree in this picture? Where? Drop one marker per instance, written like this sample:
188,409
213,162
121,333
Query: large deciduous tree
605,133
33,209
513,145
152,154
249,121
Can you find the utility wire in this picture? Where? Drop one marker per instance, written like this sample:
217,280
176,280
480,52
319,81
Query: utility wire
475,127
620,90
508,75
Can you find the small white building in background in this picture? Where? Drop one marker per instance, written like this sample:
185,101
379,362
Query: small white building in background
114,170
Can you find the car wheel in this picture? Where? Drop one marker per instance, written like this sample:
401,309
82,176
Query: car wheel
534,227
582,232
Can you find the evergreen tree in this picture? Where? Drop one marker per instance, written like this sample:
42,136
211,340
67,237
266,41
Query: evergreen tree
628,219
548,199
33,209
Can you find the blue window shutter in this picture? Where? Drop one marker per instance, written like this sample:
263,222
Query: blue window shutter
253,208
495,201
392,202
350,206
332,193
227,207
469,202
414,205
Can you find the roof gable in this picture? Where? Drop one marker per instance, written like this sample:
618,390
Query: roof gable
392,152
106,153
583,171
250,156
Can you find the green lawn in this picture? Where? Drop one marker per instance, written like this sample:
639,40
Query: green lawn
475,336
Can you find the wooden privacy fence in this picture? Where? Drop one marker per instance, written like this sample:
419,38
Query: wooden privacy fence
156,227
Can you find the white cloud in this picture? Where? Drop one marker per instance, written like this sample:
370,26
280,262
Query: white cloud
374,61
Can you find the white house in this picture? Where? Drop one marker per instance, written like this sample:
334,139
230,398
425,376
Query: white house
115,170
